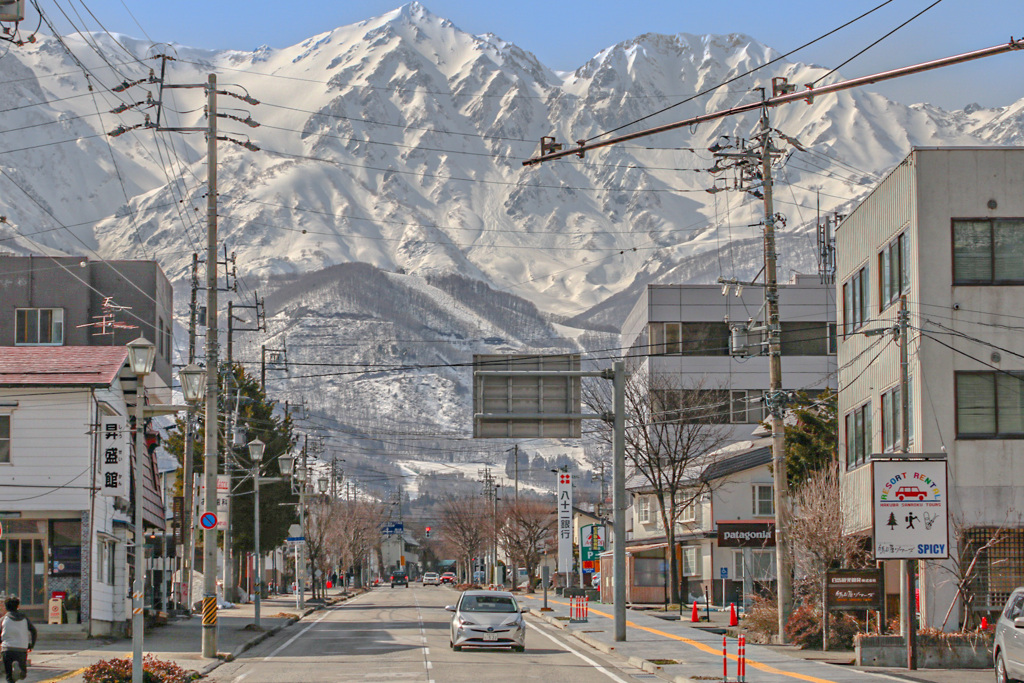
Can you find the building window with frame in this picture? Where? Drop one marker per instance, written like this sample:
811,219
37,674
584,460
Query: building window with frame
858,435
747,406
643,509
5,437
762,565
691,561
764,500
39,327
855,302
833,341
892,436
688,513
989,405
893,271
988,252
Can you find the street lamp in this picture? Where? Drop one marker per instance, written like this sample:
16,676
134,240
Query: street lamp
141,354
321,484
256,448
193,388
285,462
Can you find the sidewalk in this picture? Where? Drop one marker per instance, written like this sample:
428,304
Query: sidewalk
682,652
180,641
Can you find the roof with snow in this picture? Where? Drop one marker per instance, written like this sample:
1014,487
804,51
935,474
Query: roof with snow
52,366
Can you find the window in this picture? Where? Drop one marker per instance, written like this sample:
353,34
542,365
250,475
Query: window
692,338
858,435
748,406
105,561
804,338
688,513
643,509
39,326
893,271
762,565
855,302
691,405
989,404
764,500
833,345
892,437
691,561
988,252
649,571
5,438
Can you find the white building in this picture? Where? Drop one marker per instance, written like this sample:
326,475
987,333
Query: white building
58,533
684,331
946,229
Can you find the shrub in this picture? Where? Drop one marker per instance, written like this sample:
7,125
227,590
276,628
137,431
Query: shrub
762,619
153,671
804,628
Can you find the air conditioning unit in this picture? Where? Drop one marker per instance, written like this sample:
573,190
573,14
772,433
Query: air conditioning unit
12,10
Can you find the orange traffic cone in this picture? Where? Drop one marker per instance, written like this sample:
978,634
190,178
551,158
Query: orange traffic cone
733,621
695,617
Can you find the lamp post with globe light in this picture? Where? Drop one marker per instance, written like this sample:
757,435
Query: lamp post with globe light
193,389
141,355
256,448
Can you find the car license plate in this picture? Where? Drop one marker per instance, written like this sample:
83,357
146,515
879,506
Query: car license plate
490,636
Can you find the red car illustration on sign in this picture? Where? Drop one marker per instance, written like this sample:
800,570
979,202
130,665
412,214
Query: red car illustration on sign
910,492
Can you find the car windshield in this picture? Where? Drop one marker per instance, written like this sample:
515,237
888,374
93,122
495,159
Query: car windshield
488,603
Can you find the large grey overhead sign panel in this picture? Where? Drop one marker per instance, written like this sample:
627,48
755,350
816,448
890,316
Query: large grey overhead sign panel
526,396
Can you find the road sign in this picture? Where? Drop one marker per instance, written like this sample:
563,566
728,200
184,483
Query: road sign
507,406
295,539
208,520
723,573
909,505
393,528
592,541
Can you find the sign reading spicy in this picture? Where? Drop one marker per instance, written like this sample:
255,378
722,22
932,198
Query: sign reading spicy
746,534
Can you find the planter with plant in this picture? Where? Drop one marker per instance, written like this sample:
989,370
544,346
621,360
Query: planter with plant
72,606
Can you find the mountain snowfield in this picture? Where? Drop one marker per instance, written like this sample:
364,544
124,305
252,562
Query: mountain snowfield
390,155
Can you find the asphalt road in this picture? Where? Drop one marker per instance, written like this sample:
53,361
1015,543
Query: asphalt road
401,634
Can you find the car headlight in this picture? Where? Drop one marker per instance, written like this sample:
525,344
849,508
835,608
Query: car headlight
513,621
463,621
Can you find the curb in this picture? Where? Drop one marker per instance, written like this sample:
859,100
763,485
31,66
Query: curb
256,640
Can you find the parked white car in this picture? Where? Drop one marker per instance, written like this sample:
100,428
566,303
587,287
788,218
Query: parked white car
1008,644
431,579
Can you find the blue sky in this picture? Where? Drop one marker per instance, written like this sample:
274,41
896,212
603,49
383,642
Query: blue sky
565,33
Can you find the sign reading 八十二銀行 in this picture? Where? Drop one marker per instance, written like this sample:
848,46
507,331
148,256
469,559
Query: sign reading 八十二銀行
910,514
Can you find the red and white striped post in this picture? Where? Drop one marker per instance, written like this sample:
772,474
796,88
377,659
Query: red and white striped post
725,659
741,670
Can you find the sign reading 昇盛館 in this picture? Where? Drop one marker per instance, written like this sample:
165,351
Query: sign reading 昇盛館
910,514
113,455
564,504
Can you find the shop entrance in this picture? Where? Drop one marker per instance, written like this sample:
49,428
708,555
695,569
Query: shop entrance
23,564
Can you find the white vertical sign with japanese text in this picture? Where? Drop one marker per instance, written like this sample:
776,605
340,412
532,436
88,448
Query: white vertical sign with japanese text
223,500
564,491
910,499
113,480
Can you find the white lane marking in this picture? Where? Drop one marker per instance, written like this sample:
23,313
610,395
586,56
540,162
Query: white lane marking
423,636
242,676
582,656
296,636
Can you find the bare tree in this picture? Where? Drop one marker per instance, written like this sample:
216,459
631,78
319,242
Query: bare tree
356,531
673,430
817,539
465,527
320,521
526,531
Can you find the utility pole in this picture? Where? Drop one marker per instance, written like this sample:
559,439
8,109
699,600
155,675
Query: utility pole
188,523
212,365
300,550
908,567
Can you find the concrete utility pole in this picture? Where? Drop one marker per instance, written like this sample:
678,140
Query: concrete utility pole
619,500
300,551
908,567
188,521
210,473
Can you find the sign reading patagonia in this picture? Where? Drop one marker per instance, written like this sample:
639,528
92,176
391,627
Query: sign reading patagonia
113,447
746,534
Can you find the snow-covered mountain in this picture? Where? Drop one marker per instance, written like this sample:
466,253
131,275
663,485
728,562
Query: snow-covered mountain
392,149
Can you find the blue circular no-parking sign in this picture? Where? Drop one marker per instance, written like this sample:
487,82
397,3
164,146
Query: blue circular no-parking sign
208,520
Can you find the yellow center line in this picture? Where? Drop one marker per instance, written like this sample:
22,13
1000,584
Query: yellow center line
64,677
767,668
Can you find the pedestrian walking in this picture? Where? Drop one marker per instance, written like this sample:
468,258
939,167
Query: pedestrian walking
17,639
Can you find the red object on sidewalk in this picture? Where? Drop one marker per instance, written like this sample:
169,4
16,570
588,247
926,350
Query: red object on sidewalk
984,623
741,667
695,617
733,621
725,659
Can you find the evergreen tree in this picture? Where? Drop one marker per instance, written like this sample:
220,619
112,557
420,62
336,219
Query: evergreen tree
813,441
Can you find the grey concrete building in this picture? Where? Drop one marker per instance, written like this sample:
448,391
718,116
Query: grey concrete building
73,301
946,230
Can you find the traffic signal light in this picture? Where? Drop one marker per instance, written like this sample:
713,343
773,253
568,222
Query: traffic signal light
428,532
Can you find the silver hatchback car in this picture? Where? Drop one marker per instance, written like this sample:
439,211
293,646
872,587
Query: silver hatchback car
487,619
1008,644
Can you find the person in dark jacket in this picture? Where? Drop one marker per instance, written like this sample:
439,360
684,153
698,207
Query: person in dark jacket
17,638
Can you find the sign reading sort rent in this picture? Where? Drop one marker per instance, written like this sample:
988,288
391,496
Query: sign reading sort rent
910,514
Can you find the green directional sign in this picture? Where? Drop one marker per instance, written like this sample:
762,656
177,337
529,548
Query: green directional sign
592,542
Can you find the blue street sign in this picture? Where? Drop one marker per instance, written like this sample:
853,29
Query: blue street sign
296,539
724,572
393,528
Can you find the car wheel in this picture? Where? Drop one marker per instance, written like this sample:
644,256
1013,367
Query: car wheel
518,648
1000,669
457,648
